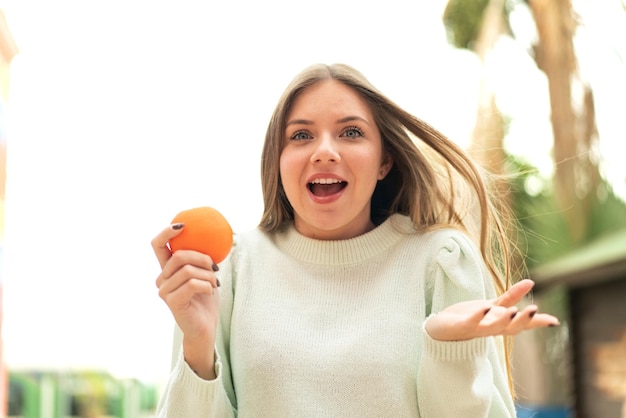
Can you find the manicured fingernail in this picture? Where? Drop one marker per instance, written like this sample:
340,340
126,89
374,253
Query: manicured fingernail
553,325
217,281
513,315
532,313
178,226
487,311
215,267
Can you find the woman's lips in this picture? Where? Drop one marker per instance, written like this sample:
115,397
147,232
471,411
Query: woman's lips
326,190
326,187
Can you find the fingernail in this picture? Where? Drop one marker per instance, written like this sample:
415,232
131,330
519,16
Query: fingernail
487,311
218,282
553,325
513,315
532,313
178,226
215,267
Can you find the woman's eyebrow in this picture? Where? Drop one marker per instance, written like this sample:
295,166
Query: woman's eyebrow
351,119
342,120
299,122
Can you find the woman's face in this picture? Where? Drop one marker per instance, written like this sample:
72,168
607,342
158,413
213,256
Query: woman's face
331,161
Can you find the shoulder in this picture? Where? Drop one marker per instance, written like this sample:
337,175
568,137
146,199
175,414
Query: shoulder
441,242
249,241
249,237
439,248
458,266
248,245
451,244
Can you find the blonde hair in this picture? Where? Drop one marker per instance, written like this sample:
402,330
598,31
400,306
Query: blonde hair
432,179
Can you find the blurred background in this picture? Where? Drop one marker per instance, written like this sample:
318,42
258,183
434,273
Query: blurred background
115,115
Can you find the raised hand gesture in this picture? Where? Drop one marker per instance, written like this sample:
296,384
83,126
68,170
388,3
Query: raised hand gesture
482,318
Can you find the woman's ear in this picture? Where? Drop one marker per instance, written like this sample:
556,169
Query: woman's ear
385,167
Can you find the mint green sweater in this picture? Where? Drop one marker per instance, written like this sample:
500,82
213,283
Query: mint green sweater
313,328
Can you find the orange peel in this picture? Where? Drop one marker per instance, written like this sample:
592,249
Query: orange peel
206,230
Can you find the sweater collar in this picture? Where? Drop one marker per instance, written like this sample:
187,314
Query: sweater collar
348,251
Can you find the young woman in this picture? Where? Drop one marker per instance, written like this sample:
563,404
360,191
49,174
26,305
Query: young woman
375,285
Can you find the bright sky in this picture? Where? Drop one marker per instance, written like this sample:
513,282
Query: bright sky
123,113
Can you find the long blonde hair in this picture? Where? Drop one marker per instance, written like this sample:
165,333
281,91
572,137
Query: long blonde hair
432,180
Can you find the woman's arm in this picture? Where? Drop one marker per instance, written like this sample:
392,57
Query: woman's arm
463,370
197,386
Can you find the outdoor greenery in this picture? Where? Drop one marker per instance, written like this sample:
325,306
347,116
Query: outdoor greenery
463,20
546,235
555,220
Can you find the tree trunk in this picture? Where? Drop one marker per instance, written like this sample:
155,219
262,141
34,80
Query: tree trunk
487,145
573,116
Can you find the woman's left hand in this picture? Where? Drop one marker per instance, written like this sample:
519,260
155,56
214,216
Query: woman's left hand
482,318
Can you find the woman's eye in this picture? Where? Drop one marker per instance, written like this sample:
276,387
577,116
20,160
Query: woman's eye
300,135
353,132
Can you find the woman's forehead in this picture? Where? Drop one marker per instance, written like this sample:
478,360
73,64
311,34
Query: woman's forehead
328,96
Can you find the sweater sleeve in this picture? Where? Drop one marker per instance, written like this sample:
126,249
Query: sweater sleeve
188,396
461,378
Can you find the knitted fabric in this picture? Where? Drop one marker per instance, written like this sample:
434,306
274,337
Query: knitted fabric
312,328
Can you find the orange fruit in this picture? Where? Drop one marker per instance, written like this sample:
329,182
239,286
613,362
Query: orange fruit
206,230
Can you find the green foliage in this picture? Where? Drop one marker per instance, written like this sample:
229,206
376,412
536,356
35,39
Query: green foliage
462,19
545,234
608,214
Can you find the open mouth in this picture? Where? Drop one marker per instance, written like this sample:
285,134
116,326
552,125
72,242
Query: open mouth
326,187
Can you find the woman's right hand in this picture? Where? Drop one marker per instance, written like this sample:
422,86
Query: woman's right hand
188,286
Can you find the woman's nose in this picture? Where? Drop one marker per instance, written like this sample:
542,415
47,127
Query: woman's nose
326,151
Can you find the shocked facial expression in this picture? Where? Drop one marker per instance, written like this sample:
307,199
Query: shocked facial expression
331,160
